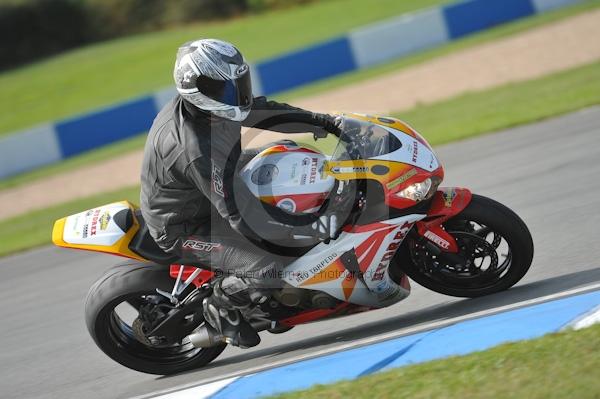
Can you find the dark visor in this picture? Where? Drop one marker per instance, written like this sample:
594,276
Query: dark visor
237,92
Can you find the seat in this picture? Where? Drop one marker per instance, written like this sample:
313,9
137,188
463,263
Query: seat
144,245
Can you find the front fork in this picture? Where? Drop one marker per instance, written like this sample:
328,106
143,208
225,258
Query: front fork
446,203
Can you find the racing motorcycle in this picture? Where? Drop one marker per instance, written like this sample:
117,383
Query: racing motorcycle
147,312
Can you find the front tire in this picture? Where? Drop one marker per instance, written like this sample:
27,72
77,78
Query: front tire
132,285
484,229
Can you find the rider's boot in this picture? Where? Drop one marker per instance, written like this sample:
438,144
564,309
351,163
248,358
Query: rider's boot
222,311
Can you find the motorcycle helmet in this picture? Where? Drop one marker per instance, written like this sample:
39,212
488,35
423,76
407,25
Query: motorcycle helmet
213,76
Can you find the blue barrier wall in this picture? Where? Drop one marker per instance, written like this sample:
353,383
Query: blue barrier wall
472,16
314,63
100,128
360,48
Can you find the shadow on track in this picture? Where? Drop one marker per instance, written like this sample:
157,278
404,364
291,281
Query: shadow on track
434,313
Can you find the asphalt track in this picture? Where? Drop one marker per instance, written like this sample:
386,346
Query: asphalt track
548,173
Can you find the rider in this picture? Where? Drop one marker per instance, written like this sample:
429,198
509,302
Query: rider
195,205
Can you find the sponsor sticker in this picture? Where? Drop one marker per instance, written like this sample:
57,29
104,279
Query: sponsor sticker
294,170
401,179
304,275
200,245
390,252
104,220
305,170
350,169
241,70
415,151
94,223
448,196
76,225
439,241
217,180
385,290
287,204
313,171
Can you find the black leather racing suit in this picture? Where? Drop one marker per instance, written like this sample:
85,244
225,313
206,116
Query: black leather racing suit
193,201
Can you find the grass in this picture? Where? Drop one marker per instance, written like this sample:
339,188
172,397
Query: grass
486,36
104,73
511,105
495,33
446,121
563,365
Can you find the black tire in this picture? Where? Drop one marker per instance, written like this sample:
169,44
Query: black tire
502,221
126,281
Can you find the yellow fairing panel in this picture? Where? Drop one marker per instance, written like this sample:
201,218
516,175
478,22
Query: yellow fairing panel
384,172
386,121
96,230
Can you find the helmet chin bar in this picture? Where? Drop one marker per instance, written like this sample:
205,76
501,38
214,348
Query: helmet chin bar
236,114
225,111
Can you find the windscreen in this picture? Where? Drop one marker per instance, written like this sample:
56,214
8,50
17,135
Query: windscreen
363,140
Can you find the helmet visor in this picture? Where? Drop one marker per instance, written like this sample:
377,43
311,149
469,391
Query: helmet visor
236,92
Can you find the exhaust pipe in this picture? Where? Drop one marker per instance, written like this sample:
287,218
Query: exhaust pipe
206,336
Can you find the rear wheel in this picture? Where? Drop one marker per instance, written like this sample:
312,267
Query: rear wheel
118,307
495,252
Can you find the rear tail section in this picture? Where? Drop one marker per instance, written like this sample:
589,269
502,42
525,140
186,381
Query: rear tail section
108,228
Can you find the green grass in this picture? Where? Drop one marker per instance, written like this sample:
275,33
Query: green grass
486,36
104,73
506,106
454,119
563,365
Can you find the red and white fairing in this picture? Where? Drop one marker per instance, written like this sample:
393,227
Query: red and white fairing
353,268
290,177
374,245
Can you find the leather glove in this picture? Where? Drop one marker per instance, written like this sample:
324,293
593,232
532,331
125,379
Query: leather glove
324,124
325,228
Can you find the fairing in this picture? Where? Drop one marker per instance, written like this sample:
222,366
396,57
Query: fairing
97,230
385,150
289,177
354,268
298,179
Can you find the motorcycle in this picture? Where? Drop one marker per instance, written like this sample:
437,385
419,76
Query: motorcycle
146,313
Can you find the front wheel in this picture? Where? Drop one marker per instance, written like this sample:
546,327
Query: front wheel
495,252
118,305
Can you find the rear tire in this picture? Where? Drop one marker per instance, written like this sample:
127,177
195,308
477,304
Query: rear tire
502,222
126,282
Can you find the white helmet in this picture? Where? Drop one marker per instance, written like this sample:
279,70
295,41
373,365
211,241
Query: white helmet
212,75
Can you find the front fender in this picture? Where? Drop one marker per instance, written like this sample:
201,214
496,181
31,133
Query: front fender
446,203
